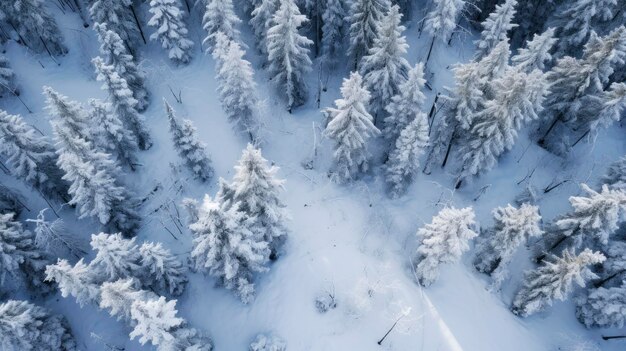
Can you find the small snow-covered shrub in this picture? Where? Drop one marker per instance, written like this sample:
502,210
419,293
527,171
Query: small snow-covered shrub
325,301
268,343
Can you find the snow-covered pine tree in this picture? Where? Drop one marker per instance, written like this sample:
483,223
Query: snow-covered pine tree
441,21
575,21
615,176
10,201
349,126
603,307
226,249
76,281
19,257
256,189
443,241
53,237
264,342
123,102
7,77
116,54
333,19
261,22
495,28
94,187
171,31
288,54
512,228
602,110
116,258
554,279
110,135
403,162
536,53
162,270
118,297
118,17
220,17
364,17
384,68
31,156
34,25
406,104
24,326
155,320
532,17
189,147
237,88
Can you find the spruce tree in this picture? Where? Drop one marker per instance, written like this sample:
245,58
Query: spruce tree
116,257
603,307
7,77
441,21
364,17
118,17
349,126
118,297
554,279
53,237
155,320
189,148
220,17
495,28
615,176
384,68
171,31
162,270
262,20
333,19
406,104
288,54
76,281
443,241
536,53
602,110
575,21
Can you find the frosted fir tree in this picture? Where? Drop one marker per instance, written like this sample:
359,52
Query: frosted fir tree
155,321
162,270
34,26
237,89
364,17
495,28
518,99
116,257
403,163
118,296
189,148
123,102
384,68
603,307
349,126
225,248
171,31
512,228
441,21
31,156
110,135
7,77
575,20
115,53
264,342
406,104
256,189
220,17
554,280
536,53
76,281
443,241
615,176
10,201
92,175
118,17
602,110
287,53
24,326
261,21
19,257
333,29
54,237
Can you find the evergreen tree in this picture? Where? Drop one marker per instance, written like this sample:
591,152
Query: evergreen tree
34,25
495,28
512,228
536,53
333,18
443,241
406,104
123,102
364,17
77,281
189,148
31,156
237,88
575,22
110,135
384,68
264,342
261,21
615,176
600,111
118,297
7,77
256,189
10,201
155,321
220,17
603,307
554,280
116,258
441,21
24,326
349,126
162,269
118,17
403,162
53,237
225,248
116,54
288,54
171,31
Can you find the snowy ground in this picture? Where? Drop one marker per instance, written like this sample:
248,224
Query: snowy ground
351,241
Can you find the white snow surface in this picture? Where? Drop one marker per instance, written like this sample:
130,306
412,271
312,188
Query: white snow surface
350,240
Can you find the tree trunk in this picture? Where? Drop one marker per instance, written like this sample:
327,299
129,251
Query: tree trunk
132,9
